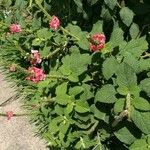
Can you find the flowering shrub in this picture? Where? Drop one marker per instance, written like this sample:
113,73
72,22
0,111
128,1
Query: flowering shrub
84,67
99,40
54,23
14,28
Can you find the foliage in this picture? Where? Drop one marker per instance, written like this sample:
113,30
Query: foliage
89,100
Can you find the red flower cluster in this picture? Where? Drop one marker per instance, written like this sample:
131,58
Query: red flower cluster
35,57
15,28
54,23
9,114
99,40
36,74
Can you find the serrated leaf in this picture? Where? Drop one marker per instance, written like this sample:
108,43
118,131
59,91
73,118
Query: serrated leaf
65,70
111,3
140,119
126,78
76,90
82,107
97,113
126,16
97,27
77,67
131,61
45,51
134,30
44,33
125,136
119,105
61,97
144,64
69,108
104,96
141,104
136,47
82,40
116,36
145,86
110,66
73,78
139,144
105,13
108,48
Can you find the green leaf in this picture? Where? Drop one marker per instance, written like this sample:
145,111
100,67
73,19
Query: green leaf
73,77
126,78
65,70
110,66
97,27
111,3
44,33
140,119
45,51
104,96
125,136
69,108
82,107
80,35
126,16
76,67
116,36
136,47
105,13
144,64
97,113
145,86
139,144
61,97
76,90
141,104
119,105
108,48
79,4
37,41
134,30
131,61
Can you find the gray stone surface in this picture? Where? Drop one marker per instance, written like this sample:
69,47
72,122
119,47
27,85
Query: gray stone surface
17,133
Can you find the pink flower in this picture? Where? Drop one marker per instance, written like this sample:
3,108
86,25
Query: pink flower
35,57
99,40
54,23
36,74
15,28
9,114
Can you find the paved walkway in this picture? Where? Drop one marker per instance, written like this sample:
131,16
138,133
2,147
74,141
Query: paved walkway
17,133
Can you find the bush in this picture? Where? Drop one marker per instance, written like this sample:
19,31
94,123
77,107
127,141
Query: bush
84,68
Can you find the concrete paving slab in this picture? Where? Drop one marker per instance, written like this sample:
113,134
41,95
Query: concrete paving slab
17,133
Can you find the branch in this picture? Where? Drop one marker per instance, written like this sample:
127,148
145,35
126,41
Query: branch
146,55
49,17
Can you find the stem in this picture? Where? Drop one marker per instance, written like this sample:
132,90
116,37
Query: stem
128,104
49,17
66,31
146,55
92,129
43,9
99,143
53,53
30,3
